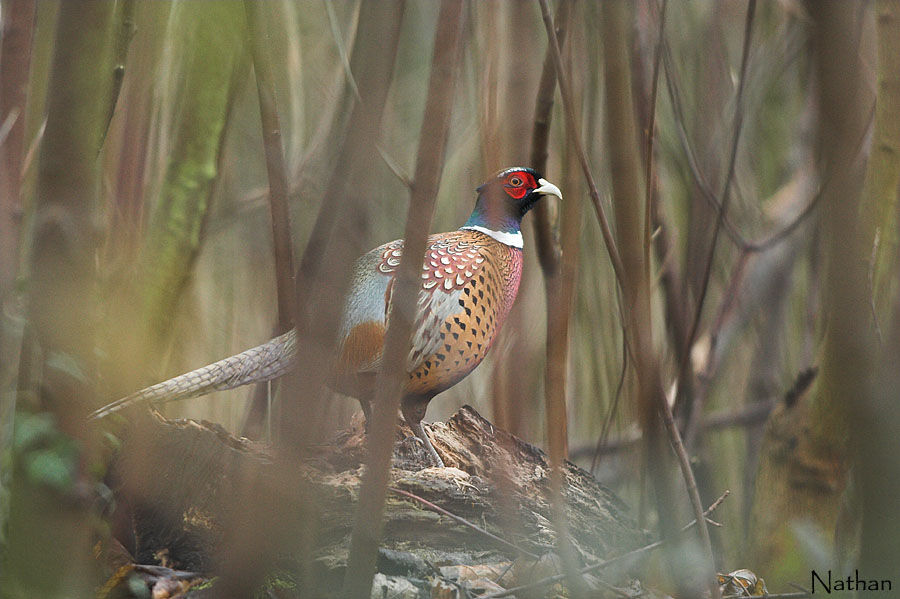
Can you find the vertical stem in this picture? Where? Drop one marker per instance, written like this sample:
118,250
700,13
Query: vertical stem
574,135
559,285
337,236
15,60
849,405
651,135
550,254
125,29
432,144
49,527
883,173
278,185
624,169
547,245
693,417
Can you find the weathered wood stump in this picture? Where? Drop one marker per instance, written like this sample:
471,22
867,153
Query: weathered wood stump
176,487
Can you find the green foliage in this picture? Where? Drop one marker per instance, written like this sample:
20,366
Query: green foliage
44,454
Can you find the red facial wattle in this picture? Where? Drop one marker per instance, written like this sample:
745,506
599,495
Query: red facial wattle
518,184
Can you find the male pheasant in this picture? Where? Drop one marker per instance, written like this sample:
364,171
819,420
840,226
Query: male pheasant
470,278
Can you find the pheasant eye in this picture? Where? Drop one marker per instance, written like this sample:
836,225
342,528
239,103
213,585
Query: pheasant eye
515,181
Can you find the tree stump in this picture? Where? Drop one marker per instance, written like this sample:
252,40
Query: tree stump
175,483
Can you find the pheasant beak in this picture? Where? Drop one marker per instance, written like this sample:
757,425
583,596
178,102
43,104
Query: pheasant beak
547,189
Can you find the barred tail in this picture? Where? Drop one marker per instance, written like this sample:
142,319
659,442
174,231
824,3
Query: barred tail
256,365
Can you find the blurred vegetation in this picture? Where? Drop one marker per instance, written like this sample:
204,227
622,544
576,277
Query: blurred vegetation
152,170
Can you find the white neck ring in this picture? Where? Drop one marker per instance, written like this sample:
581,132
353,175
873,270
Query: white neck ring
510,239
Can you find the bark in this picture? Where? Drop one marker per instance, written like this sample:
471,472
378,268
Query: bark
180,509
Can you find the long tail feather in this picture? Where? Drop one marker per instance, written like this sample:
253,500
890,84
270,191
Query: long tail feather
256,365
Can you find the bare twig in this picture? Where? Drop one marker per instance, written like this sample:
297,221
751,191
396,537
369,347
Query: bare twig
651,135
709,195
605,563
611,413
464,522
125,29
729,176
15,61
752,414
341,47
11,118
432,144
395,168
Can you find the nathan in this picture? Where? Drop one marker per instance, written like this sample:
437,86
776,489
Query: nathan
851,583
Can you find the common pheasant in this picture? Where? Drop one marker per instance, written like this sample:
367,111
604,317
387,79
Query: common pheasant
470,278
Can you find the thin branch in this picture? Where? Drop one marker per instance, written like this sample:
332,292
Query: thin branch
394,167
548,249
709,195
341,47
605,563
574,135
752,414
610,415
8,124
464,522
278,179
693,163
651,135
382,428
738,124
125,28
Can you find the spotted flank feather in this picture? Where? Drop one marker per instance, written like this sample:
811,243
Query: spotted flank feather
468,281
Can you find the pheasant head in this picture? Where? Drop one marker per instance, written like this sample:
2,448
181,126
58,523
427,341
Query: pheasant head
505,199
